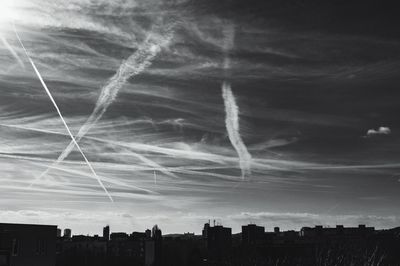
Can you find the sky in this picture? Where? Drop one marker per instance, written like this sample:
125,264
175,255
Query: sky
279,113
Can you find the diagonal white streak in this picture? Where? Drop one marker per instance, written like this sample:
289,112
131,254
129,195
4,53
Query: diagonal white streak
232,126
133,66
62,118
12,51
231,108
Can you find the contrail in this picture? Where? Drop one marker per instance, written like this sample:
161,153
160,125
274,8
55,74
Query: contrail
110,180
133,66
12,51
231,108
232,126
62,118
137,155
228,45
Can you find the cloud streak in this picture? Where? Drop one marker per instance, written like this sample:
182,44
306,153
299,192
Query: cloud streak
232,126
134,65
171,118
231,107
62,118
12,51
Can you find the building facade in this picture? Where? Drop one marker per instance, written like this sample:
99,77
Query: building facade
27,245
252,234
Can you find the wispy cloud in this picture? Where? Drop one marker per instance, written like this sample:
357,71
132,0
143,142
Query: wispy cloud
145,78
62,118
133,66
231,107
380,131
232,126
12,51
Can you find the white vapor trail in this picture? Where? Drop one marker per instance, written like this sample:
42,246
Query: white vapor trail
61,116
133,66
228,45
137,155
232,126
12,51
231,108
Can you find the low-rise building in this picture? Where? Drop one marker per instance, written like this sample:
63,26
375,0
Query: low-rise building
26,244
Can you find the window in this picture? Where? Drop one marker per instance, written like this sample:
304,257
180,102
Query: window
14,250
41,247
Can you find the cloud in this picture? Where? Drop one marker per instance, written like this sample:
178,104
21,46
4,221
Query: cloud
133,66
296,220
79,221
232,126
380,131
12,51
62,118
83,221
160,118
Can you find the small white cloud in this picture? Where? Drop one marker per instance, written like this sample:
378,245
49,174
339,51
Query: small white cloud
380,131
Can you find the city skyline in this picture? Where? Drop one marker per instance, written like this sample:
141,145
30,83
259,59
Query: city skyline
243,111
107,231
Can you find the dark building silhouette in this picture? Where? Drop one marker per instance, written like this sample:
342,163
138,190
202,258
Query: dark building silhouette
252,234
106,233
276,230
67,233
34,245
338,231
59,232
153,248
156,232
205,229
148,233
81,250
219,243
25,244
138,235
119,236
124,249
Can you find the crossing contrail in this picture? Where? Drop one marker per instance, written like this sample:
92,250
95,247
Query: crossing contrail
61,116
133,66
12,51
232,126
